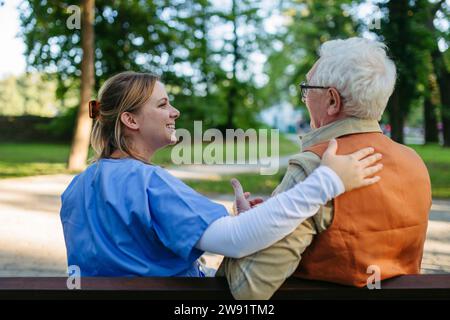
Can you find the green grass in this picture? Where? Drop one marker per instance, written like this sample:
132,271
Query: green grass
251,182
27,159
34,152
437,160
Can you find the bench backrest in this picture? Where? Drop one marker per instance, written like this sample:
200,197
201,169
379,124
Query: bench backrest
436,286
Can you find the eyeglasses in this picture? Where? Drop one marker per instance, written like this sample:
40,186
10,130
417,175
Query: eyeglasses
304,89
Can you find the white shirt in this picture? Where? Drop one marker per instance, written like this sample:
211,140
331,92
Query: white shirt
262,226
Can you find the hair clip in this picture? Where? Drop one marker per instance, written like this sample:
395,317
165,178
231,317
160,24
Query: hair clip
94,109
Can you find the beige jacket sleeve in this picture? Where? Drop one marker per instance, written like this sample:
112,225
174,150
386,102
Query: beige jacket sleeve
259,275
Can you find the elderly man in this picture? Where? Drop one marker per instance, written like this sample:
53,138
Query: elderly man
381,227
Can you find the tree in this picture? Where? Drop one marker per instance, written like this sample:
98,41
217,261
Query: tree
12,102
169,38
443,77
441,63
405,33
292,50
28,94
200,96
122,43
429,107
80,143
235,77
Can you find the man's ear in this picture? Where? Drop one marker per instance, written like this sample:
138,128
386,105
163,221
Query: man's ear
128,119
334,106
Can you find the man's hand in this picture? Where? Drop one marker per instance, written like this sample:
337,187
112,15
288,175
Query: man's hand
242,202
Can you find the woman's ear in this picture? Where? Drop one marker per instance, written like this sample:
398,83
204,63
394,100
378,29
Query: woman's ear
334,106
128,119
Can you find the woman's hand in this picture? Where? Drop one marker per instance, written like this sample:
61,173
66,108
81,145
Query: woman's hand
356,169
242,202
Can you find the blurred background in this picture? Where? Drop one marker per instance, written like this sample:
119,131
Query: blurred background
228,63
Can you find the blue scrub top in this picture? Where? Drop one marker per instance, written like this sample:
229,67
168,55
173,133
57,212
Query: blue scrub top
122,217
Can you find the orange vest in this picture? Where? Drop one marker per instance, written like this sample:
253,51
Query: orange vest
384,224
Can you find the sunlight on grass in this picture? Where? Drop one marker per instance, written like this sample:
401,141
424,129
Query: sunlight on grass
437,160
28,159
251,182
12,170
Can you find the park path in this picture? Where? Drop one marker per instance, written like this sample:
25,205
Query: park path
32,242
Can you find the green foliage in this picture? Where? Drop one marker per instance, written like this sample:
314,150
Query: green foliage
204,50
293,50
62,127
28,94
169,38
405,32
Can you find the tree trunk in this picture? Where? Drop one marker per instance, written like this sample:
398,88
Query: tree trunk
429,112
80,143
446,127
443,79
445,106
231,106
396,117
398,107
232,92
430,119
205,49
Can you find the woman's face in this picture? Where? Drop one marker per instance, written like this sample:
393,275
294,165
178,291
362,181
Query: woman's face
156,119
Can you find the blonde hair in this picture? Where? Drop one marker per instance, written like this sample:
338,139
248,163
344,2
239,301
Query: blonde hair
124,92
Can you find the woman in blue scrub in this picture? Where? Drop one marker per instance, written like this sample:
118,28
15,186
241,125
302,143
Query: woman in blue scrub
124,216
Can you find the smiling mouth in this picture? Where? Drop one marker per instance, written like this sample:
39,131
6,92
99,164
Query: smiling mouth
170,126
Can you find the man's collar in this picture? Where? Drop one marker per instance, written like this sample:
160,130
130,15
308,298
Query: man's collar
337,129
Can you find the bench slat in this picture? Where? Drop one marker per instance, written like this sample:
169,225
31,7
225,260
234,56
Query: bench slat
435,286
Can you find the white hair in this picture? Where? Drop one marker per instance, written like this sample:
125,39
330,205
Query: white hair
362,73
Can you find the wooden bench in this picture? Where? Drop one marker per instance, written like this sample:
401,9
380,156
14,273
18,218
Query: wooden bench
435,286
